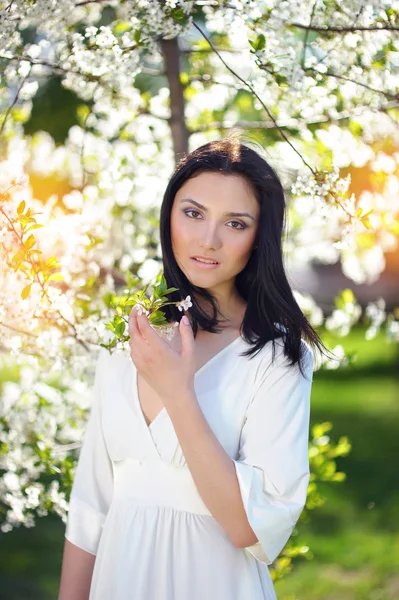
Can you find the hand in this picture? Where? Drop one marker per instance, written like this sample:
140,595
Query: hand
164,369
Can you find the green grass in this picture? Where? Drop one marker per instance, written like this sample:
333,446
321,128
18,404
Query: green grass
353,537
30,561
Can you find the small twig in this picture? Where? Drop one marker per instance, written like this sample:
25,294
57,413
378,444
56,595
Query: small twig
9,109
9,6
344,78
206,79
82,149
305,41
18,330
66,447
85,2
208,50
342,29
249,86
343,207
35,61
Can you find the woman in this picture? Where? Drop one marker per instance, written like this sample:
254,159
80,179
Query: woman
194,467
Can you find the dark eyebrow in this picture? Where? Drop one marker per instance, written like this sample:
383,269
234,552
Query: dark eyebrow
228,214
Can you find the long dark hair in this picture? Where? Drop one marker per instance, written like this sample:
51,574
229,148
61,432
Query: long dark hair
263,282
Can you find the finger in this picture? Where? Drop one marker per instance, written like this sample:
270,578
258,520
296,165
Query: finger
144,327
149,333
134,331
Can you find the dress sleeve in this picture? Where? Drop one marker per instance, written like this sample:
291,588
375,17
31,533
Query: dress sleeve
93,482
273,462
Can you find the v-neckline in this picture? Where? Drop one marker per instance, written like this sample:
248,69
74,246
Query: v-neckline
216,355
163,409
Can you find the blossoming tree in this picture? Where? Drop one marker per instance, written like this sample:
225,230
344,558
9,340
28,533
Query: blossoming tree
313,81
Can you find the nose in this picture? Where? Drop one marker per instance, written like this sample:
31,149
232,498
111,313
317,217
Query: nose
210,238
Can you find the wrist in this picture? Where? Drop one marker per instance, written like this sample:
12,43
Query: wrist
179,397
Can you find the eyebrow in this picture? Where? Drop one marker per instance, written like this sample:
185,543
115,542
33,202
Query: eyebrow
228,214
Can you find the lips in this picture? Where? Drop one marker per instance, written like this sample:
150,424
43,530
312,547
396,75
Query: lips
205,258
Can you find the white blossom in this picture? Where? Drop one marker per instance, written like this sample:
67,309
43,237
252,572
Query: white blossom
184,304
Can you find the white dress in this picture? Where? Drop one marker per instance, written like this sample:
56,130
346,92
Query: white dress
136,507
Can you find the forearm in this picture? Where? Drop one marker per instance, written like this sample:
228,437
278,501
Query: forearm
76,574
212,469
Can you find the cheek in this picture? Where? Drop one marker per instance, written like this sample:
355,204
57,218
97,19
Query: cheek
180,232
239,246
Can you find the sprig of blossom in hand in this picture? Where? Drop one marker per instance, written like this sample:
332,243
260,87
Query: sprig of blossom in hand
151,306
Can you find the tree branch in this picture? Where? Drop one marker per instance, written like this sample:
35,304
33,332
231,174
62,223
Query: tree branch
180,135
249,86
299,124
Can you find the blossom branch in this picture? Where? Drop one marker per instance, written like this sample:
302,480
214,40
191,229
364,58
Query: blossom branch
38,280
249,86
53,66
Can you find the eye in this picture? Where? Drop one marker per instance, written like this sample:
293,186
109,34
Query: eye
243,226
192,210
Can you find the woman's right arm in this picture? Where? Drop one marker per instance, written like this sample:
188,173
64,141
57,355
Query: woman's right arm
89,502
77,570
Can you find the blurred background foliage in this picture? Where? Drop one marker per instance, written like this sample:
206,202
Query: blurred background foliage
353,536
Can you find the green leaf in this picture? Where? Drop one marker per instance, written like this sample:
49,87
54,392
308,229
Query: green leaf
36,226
366,223
129,303
21,207
260,42
120,328
30,242
179,15
131,280
26,292
18,257
348,296
56,277
52,262
155,293
158,318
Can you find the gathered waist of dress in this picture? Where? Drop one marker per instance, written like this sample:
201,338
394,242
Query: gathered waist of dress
157,483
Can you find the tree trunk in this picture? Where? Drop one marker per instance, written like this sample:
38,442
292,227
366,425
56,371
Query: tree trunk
171,54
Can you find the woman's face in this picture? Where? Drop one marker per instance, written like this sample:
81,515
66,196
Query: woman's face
201,225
